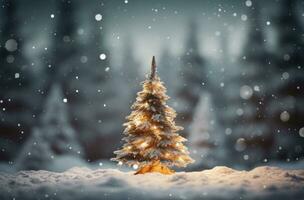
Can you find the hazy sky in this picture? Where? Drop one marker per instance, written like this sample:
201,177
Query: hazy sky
154,25
151,26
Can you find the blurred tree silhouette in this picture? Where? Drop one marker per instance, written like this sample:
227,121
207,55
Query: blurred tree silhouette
194,77
15,79
53,137
251,123
287,102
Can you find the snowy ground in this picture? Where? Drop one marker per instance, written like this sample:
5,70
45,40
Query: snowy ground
217,183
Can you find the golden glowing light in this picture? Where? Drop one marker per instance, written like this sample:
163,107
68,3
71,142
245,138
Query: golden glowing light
143,145
180,159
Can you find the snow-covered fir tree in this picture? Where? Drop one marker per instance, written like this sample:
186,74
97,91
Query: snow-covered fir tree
53,137
152,141
193,77
288,96
17,99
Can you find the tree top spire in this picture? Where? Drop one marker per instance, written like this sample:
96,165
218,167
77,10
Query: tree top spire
153,68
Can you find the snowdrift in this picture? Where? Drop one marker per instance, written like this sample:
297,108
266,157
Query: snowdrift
217,183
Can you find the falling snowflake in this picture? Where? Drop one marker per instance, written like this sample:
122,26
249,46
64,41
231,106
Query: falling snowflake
246,157
239,111
256,88
286,57
243,17
10,59
11,45
98,17
248,3
65,100
240,144
102,56
285,75
83,59
17,75
228,131
284,116
246,92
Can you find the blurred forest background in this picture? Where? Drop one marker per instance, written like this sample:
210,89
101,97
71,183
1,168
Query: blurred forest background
70,70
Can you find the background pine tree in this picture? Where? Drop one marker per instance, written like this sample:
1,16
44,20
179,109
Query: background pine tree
193,75
17,98
287,98
53,137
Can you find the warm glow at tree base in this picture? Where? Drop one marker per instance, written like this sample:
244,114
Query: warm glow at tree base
156,166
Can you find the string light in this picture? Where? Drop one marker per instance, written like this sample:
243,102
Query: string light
143,145
180,159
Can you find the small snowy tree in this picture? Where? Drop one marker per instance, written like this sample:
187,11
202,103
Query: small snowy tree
206,143
36,153
152,142
52,138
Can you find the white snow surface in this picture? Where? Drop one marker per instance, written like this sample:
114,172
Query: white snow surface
217,183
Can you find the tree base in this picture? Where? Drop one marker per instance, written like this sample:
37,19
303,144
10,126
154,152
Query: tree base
156,166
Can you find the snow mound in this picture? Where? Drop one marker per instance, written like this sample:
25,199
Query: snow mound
217,183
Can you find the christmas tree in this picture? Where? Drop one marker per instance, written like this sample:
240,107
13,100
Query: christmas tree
152,141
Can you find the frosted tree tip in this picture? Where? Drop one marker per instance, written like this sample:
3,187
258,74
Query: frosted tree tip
153,68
